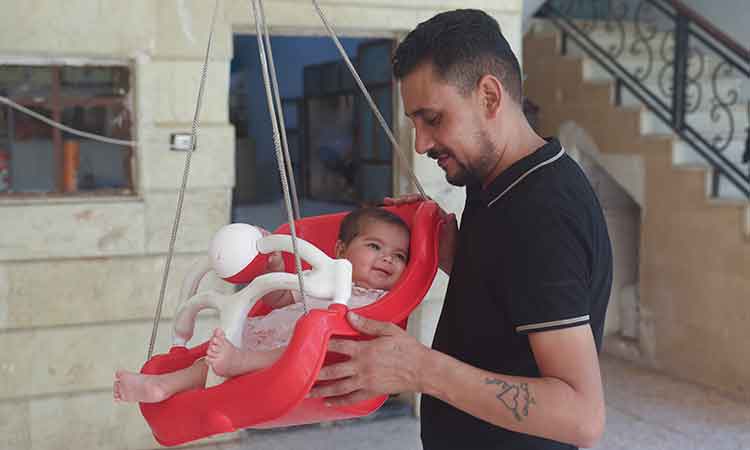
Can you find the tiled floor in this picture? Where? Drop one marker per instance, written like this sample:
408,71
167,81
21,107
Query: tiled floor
645,411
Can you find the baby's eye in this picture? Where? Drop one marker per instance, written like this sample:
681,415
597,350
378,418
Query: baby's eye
401,257
373,246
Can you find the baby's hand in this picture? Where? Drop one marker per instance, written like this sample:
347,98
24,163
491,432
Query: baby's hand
275,263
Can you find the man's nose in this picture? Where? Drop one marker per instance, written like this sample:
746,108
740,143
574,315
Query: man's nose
423,142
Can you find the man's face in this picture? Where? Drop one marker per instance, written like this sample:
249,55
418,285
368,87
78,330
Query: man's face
448,126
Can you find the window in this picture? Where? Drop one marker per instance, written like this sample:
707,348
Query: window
36,158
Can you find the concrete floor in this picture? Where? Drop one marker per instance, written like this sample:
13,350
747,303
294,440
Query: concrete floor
645,411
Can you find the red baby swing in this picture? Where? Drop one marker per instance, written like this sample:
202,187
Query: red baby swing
275,396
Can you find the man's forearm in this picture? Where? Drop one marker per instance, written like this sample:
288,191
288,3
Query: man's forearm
546,407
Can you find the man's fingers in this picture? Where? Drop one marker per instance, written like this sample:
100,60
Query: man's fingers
409,198
450,222
371,327
336,371
343,346
343,387
350,399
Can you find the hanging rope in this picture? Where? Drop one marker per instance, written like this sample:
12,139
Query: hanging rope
402,154
259,26
58,125
280,111
181,196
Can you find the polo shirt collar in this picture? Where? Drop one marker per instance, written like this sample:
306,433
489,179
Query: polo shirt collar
545,154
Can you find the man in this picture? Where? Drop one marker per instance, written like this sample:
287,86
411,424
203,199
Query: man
514,360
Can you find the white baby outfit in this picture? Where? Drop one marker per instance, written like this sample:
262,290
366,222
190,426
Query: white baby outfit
275,328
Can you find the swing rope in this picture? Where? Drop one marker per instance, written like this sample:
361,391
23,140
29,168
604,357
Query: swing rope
284,162
183,186
280,115
260,24
370,101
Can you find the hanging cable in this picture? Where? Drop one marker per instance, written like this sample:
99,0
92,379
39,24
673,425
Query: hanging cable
373,106
65,128
84,134
181,196
259,24
280,112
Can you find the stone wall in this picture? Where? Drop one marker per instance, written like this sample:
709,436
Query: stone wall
79,278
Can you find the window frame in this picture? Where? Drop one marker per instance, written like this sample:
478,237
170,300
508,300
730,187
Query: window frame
56,102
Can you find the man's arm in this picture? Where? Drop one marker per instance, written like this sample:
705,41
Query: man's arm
566,404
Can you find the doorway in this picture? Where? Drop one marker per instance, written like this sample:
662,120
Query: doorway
341,157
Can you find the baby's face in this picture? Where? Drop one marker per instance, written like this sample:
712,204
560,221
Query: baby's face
378,254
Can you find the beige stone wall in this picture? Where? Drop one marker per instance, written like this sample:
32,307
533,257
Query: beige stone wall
79,278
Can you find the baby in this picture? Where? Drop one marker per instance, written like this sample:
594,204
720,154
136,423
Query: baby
374,240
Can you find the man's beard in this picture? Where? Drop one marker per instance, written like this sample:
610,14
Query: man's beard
477,171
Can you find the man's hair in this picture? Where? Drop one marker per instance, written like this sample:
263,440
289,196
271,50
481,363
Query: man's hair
463,46
352,223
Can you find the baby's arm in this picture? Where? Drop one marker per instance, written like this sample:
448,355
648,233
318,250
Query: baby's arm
229,361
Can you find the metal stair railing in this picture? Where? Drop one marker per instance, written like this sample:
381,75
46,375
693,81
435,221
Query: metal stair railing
680,49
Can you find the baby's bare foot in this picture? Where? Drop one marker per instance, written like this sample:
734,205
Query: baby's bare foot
225,359
136,387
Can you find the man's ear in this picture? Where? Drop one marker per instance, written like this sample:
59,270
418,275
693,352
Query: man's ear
491,92
340,247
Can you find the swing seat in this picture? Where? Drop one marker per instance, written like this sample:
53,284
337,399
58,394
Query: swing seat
275,396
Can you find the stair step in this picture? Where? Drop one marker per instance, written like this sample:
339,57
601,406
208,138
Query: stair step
685,154
703,122
654,69
682,156
743,204
703,92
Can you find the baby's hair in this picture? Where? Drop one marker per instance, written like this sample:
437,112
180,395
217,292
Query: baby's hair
351,225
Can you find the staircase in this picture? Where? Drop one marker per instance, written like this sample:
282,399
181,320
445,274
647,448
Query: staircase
694,253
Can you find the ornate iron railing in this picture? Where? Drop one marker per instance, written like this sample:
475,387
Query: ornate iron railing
690,75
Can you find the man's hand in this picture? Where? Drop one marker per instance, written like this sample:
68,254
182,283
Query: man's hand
448,242
448,232
389,364
403,199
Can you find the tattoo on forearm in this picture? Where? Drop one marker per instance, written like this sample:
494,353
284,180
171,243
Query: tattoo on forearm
515,397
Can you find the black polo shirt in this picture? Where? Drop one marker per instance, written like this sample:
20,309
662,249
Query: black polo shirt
533,255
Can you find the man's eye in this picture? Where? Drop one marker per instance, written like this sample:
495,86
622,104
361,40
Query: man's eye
433,121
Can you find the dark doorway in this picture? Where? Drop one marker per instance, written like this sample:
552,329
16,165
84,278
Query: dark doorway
341,156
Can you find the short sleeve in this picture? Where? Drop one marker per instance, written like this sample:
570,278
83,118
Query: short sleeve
551,273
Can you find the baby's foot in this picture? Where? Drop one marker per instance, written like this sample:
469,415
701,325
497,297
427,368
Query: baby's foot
225,359
137,387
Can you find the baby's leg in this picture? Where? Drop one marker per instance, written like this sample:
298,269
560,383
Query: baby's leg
137,387
230,361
